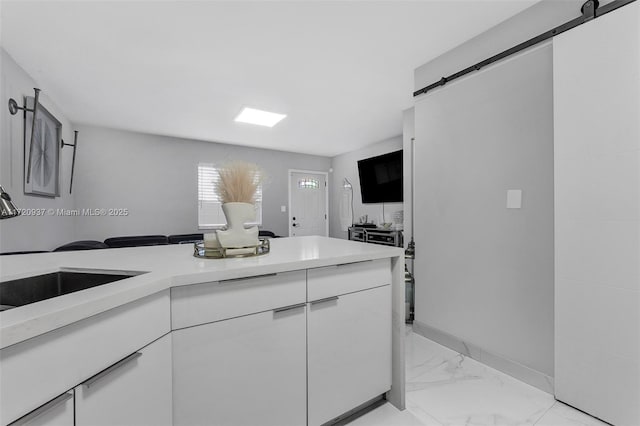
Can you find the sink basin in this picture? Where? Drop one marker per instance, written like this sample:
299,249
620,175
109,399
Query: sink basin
33,289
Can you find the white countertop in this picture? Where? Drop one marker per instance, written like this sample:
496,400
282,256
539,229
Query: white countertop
166,266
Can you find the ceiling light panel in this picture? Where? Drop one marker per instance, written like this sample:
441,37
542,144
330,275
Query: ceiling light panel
259,117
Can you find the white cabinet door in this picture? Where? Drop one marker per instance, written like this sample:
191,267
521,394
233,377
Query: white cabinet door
247,371
134,391
349,352
57,412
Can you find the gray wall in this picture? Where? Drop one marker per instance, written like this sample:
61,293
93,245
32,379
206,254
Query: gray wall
503,305
28,232
346,166
484,272
155,177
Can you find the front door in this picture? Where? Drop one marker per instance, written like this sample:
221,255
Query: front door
307,203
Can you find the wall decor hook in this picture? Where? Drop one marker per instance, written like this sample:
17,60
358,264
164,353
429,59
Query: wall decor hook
13,110
73,160
13,106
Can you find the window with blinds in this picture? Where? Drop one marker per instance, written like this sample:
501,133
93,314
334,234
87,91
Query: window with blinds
210,215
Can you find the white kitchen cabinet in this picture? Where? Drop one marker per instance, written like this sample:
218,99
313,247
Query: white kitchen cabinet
236,360
57,412
349,352
134,391
39,369
249,370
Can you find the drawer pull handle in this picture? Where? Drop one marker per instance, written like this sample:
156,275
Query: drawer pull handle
326,299
42,409
248,278
290,307
92,380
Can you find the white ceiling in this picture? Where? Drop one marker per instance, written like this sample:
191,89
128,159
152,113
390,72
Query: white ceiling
341,70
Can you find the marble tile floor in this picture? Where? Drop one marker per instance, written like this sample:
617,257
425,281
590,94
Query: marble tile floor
445,388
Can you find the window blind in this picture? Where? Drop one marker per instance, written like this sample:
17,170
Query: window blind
210,215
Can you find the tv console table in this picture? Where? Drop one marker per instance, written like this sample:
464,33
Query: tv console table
387,237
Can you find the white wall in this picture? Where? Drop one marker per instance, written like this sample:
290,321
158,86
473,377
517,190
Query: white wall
346,166
28,232
484,273
155,177
597,218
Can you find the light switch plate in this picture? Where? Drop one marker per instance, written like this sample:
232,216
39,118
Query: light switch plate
514,198
283,209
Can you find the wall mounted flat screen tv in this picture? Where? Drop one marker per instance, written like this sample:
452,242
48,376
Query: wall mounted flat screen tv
381,178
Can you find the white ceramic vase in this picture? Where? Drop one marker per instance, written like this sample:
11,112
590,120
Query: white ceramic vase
235,236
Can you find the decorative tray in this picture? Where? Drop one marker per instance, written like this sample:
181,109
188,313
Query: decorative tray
199,250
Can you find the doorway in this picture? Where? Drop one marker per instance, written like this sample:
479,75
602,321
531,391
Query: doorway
308,203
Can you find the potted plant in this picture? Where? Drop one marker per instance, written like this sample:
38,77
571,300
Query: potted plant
237,186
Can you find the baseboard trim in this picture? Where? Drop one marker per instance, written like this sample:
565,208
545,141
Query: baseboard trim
514,369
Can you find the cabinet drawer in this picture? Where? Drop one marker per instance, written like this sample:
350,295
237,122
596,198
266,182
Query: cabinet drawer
209,302
342,279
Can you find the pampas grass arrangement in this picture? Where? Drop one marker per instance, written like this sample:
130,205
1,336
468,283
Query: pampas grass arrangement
238,182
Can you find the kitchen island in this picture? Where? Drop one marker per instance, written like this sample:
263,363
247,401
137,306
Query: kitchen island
302,335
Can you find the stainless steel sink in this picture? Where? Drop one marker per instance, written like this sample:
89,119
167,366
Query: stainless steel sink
33,289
